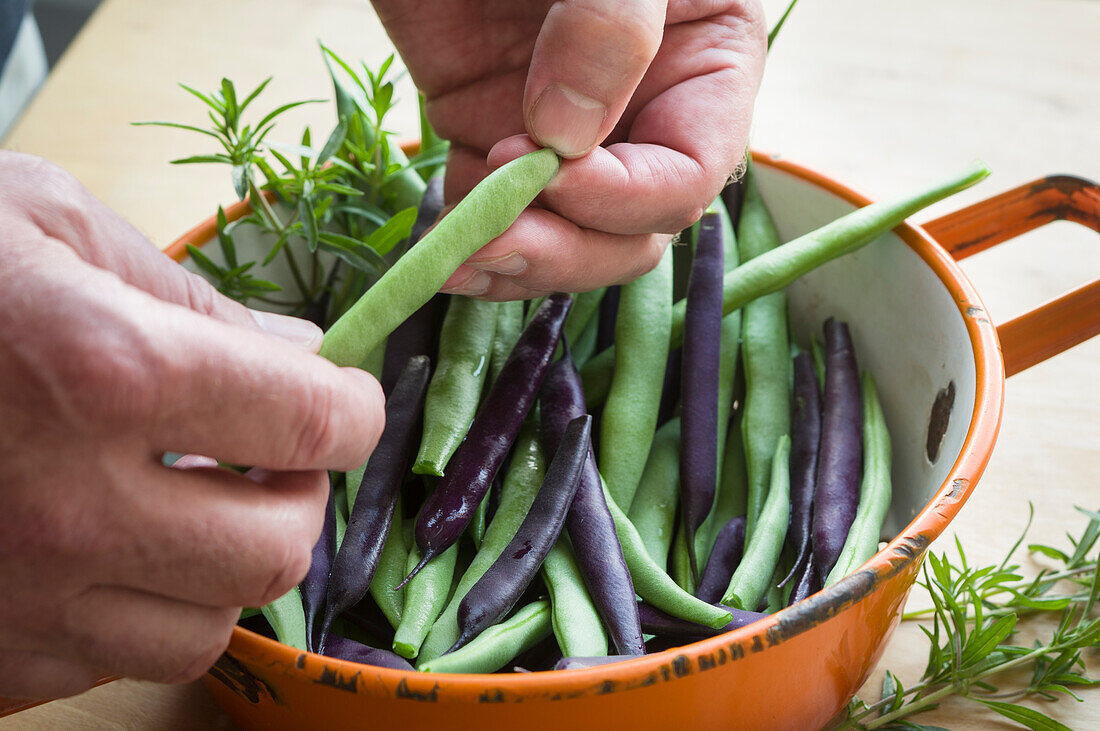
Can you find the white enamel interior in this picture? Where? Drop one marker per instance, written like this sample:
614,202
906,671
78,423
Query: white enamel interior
907,328
906,325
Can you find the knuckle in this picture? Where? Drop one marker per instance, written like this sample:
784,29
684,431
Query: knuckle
650,254
316,438
297,538
115,384
203,657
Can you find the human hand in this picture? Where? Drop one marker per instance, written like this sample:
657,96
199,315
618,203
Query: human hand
667,87
111,355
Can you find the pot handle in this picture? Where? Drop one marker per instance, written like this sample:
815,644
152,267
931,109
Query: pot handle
1061,323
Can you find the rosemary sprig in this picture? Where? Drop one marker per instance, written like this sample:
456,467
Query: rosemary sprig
975,614
332,213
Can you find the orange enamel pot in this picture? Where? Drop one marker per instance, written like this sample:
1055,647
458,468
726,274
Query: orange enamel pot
940,364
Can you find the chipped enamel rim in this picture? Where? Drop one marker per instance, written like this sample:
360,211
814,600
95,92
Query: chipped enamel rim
900,554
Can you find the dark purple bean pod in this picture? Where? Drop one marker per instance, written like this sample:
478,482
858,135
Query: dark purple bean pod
342,648
699,391
316,579
806,583
582,663
840,458
368,616
733,195
728,548
805,442
591,528
371,516
427,212
504,582
416,335
656,622
670,391
451,506
605,324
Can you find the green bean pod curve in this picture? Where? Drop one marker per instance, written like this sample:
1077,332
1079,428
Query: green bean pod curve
493,648
577,625
287,618
585,305
630,415
766,348
773,271
750,581
425,597
465,345
520,485
484,214
391,569
652,583
653,510
874,490
509,325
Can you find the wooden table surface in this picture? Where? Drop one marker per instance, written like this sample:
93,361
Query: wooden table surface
881,94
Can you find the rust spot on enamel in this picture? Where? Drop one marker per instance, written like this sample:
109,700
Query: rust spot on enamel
938,421
231,673
335,679
403,691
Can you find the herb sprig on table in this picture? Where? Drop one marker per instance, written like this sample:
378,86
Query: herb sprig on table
353,197
975,614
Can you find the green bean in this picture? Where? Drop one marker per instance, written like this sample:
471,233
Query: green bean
585,305
651,582
630,415
509,325
730,347
776,269
493,648
520,485
425,597
391,569
585,346
465,343
766,349
287,618
679,562
653,510
818,351
874,489
733,484
577,624
478,525
750,581
489,209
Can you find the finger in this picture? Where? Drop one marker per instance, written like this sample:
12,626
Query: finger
124,632
68,212
213,537
35,676
587,62
544,252
684,139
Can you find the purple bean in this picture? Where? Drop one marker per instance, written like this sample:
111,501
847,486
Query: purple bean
451,506
840,457
805,442
501,586
371,516
699,401
342,648
590,525
316,580
728,548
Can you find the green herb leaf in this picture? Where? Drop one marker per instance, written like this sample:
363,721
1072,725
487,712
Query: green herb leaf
395,230
1028,717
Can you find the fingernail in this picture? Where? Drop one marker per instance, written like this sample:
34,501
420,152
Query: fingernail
302,333
509,264
567,121
477,283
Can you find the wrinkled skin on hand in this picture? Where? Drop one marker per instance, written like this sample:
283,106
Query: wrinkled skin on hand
111,355
649,99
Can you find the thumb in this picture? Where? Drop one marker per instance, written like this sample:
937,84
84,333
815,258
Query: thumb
589,58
